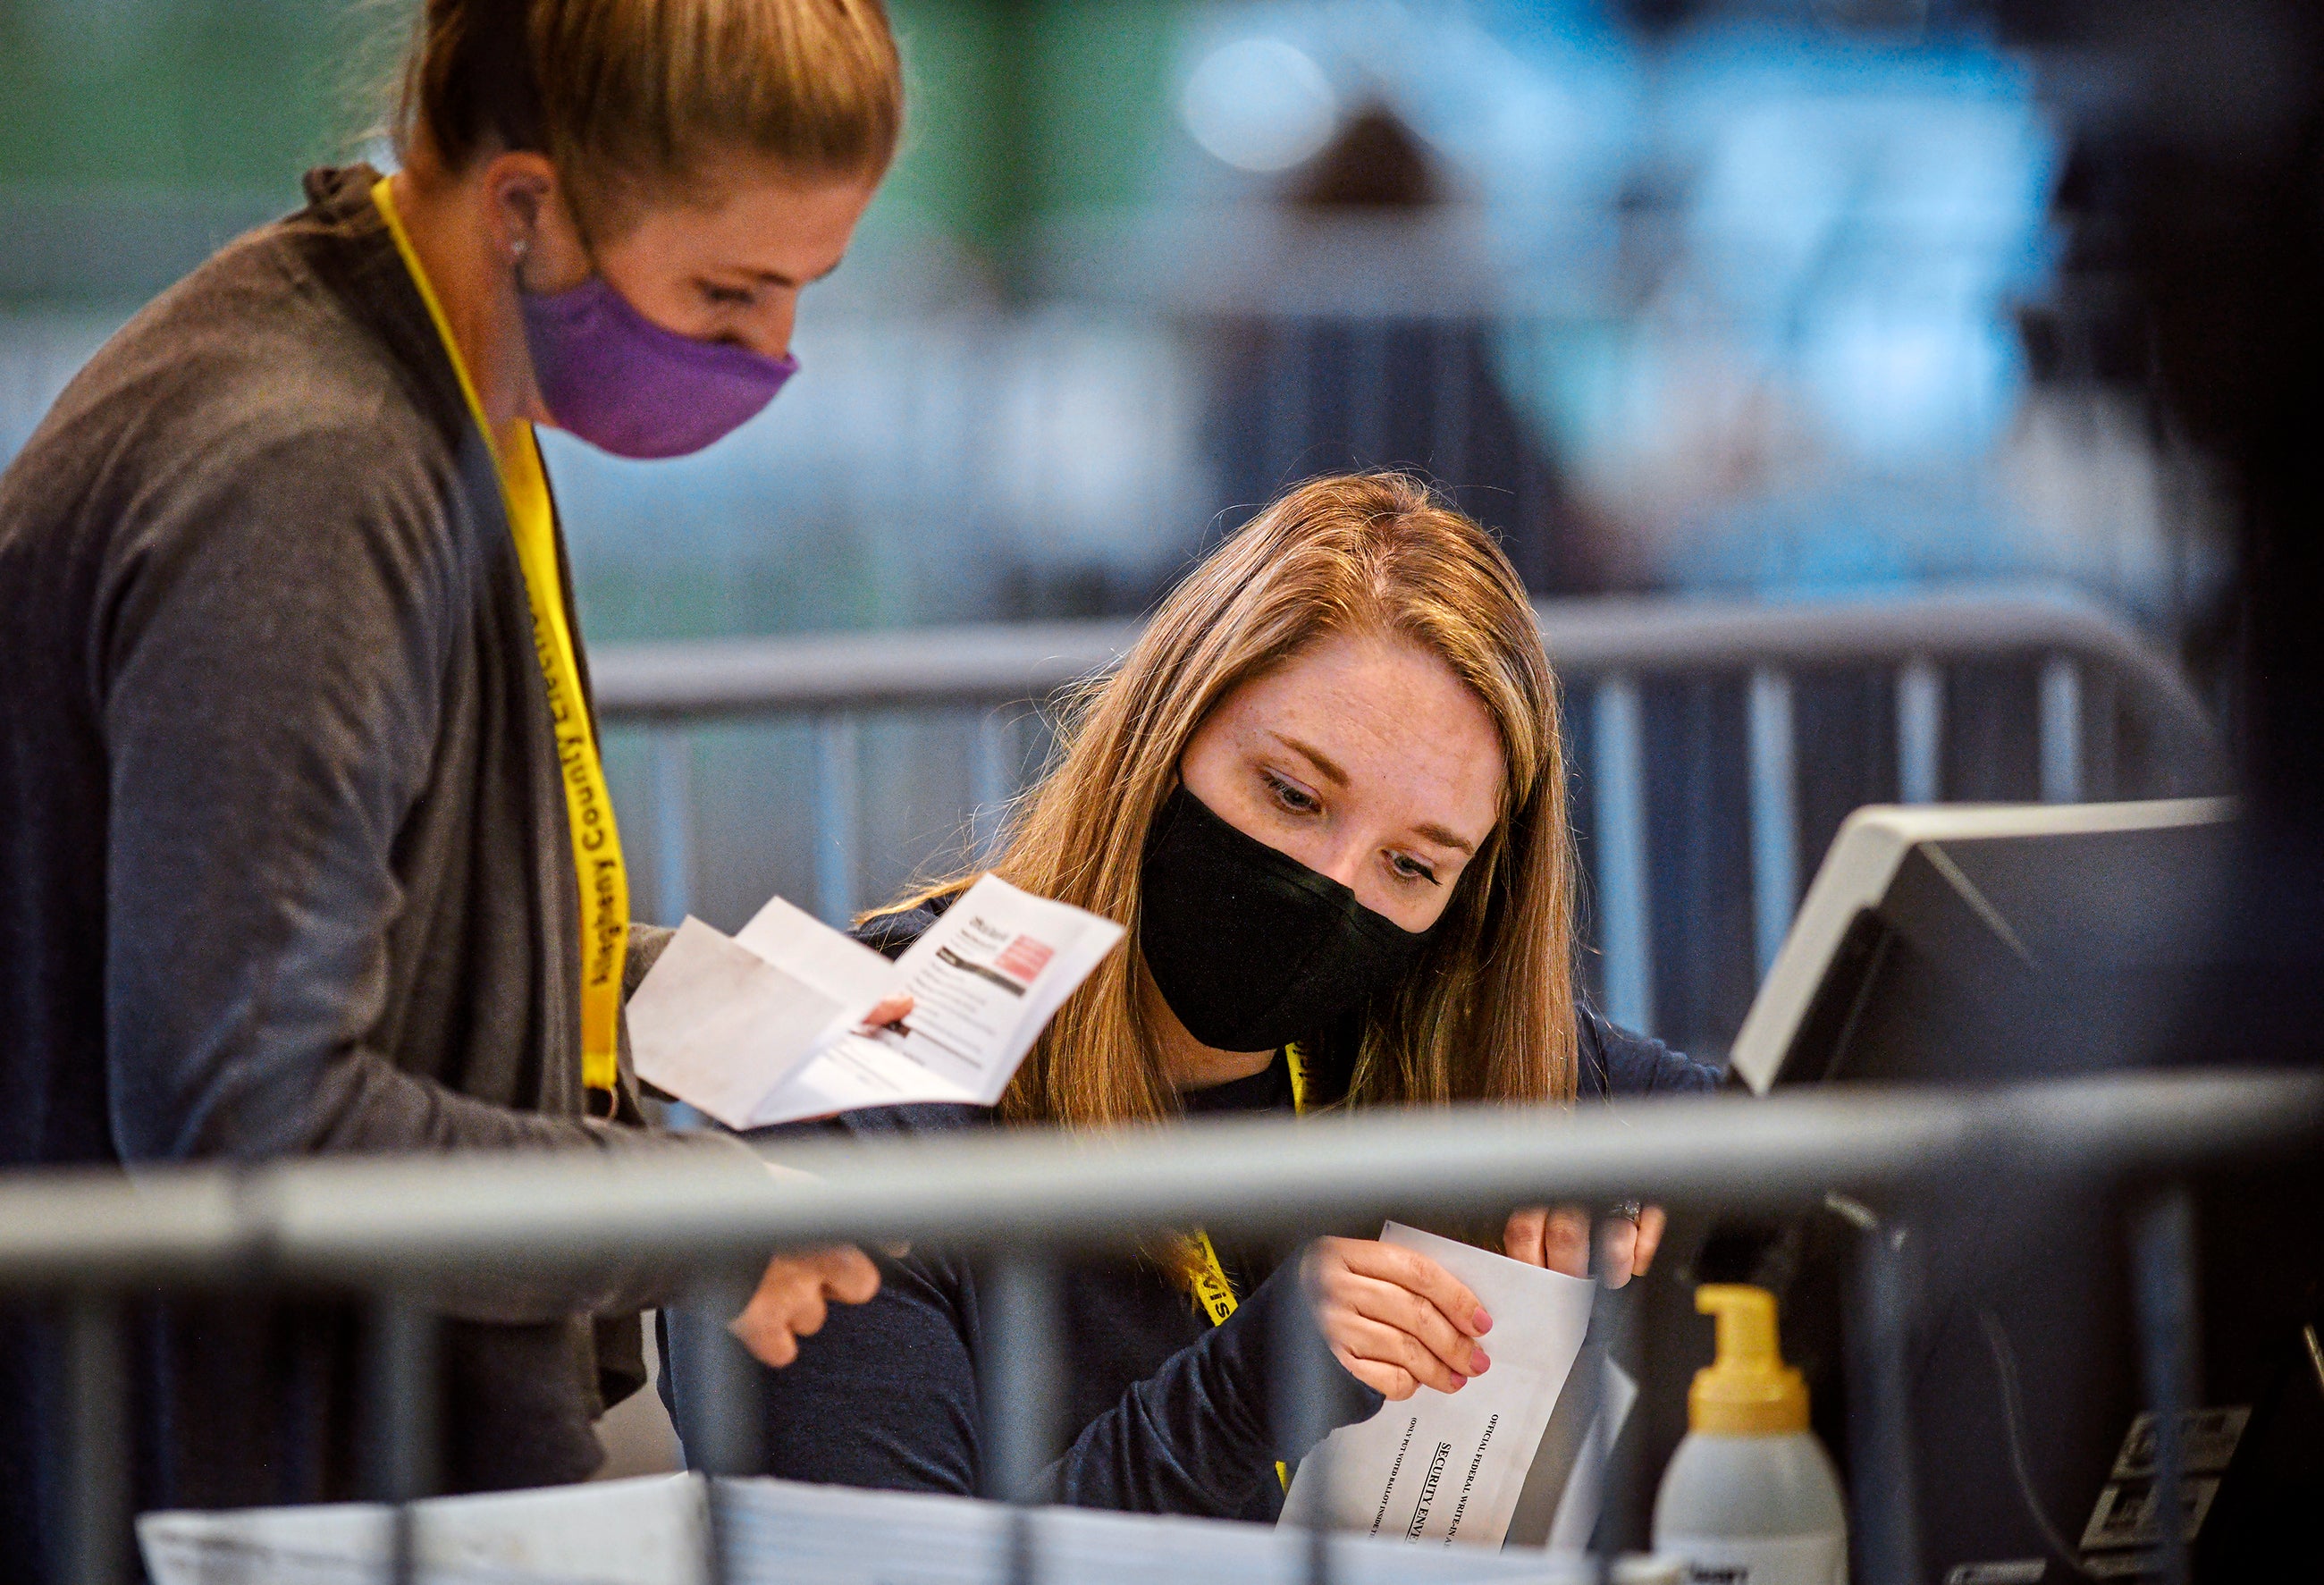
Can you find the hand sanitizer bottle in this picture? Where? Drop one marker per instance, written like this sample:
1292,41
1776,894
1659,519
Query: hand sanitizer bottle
1751,1497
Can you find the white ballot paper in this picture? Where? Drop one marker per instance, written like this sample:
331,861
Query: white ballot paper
652,1531
764,1028
1448,1467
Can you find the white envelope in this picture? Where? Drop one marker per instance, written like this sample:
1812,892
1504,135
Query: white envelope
1448,1467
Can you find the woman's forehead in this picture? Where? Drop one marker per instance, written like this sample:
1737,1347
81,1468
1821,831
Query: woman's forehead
1378,714
754,218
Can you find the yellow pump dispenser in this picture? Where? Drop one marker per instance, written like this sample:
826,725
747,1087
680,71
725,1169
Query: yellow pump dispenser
1748,1390
1751,1497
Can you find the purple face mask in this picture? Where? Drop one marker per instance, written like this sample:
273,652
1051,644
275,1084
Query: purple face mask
624,384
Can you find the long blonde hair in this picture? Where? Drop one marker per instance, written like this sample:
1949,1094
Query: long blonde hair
1489,1014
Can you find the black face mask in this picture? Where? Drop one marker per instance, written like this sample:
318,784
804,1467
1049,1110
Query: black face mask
1250,947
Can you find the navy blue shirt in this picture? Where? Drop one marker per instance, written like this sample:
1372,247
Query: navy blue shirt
1163,1412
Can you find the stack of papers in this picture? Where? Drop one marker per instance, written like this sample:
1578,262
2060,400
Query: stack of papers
646,1531
650,1532
784,1531
764,1028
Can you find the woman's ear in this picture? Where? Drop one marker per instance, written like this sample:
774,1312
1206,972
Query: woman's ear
531,222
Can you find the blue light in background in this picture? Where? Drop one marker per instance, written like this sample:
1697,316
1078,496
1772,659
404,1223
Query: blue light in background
1762,275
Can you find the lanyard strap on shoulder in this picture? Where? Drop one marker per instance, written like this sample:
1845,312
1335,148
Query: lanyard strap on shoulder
598,867
1212,1291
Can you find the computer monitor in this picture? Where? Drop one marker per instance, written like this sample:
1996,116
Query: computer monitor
1972,945
1960,944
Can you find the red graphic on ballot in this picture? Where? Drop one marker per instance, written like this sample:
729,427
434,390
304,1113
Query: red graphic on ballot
1023,959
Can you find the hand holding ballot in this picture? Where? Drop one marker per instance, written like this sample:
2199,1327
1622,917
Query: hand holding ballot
1438,1464
1395,1317
777,1023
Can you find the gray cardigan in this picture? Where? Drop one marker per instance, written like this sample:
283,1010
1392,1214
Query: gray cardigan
283,862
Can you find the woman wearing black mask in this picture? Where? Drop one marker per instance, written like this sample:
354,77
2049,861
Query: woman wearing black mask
1325,794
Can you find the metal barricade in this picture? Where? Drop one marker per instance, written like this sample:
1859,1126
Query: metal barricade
1023,1203
2111,717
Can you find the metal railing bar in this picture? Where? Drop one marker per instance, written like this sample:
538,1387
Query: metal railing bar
1023,1566
98,1228
2101,742
717,1423
857,671
2162,1266
404,1387
1299,1392
1612,1470
1019,1396
837,819
993,776
673,823
1878,1349
1586,637
1608,632
388,1220
96,1400
992,773
1618,786
720,1415
1633,1511
1920,731
1775,812
2061,730
1017,1387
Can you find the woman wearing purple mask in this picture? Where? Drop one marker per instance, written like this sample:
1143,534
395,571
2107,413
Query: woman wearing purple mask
307,842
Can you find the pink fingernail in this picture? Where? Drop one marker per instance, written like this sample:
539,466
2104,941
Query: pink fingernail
1480,1362
1483,1323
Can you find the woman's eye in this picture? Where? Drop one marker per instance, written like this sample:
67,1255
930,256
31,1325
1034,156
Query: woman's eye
1411,869
1299,800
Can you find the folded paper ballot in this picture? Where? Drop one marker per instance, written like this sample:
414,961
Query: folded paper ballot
1443,1468
652,1532
765,1027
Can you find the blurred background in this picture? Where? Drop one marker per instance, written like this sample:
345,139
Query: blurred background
1777,301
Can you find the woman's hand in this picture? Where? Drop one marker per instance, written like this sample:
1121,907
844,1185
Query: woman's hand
889,1011
1560,1240
794,1293
1395,1319
794,1296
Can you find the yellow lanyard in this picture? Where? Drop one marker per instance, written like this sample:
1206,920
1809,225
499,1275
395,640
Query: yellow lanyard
1212,1291
588,807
